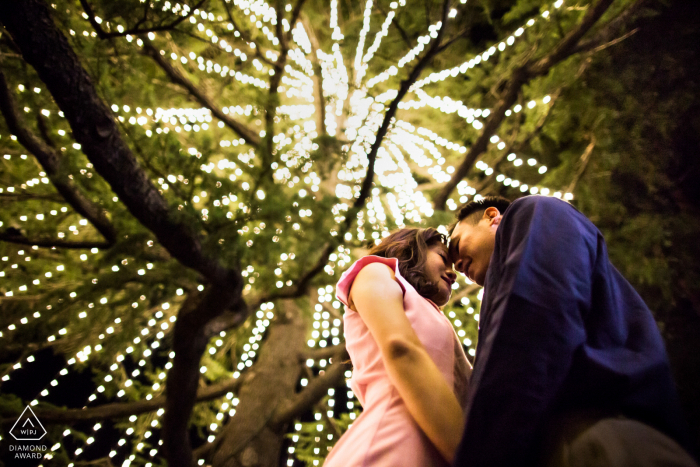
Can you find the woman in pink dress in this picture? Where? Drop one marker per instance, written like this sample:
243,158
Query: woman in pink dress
410,372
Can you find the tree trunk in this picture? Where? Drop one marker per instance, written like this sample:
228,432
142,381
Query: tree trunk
248,440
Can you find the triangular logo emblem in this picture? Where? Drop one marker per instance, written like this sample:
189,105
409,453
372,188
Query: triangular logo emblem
28,427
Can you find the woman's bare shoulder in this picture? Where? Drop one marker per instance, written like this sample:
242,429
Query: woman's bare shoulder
372,276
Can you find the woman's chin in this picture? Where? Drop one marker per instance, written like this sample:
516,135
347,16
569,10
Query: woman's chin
442,299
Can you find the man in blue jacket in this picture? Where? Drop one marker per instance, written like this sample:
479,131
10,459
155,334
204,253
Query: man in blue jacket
570,367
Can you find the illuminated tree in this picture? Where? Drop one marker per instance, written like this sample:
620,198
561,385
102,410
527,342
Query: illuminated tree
180,177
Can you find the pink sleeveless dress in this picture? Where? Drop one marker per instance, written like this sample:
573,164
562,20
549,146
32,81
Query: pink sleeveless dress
385,434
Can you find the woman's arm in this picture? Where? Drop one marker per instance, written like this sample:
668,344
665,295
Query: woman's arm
378,298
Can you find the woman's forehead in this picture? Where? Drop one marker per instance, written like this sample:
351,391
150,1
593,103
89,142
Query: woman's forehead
440,246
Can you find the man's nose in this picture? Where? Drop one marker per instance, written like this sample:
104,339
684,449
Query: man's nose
458,265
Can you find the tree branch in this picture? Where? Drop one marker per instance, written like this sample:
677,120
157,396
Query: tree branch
520,76
319,99
49,242
273,96
389,115
316,388
582,164
94,127
10,365
245,37
176,77
303,282
190,340
517,146
51,162
323,406
324,352
12,197
407,40
102,34
333,424
606,35
124,409
510,148
566,47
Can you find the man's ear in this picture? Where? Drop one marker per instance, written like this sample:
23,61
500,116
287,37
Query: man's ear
493,215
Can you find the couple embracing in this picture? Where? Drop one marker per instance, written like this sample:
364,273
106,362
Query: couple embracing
570,367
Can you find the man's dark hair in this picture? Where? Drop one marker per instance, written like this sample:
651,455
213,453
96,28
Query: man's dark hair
473,210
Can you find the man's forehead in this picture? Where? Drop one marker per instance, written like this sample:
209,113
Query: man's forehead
458,231
456,234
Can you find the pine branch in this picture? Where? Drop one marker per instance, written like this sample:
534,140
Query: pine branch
324,352
517,146
123,409
51,162
178,78
94,127
273,96
319,98
245,37
102,34
303,282
10,366
393,107
510,148
606,35
50,243
24,196
582,164
519,77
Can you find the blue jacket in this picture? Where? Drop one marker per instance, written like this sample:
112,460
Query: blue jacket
560,330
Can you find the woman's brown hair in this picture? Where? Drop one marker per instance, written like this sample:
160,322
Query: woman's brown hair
410,246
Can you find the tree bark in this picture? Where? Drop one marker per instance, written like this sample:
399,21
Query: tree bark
247,439
268,402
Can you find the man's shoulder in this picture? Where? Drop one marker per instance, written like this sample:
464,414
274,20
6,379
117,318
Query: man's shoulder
548,214
539,204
